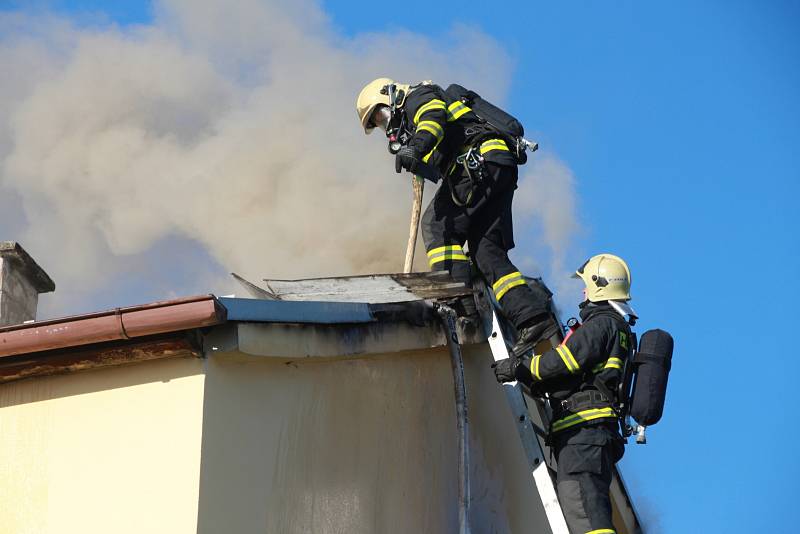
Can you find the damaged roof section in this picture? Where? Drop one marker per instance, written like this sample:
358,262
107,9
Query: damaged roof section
352,299
372,289
344,316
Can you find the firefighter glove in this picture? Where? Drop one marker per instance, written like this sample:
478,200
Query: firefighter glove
407,158
505,370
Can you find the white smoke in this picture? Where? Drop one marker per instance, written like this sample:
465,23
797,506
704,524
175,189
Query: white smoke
545,206
227,125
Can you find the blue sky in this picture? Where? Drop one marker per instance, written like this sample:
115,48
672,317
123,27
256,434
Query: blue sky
680,123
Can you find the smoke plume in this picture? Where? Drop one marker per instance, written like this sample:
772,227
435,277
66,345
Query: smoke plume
544,207
220,137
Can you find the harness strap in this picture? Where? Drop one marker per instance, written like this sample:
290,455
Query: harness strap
585,399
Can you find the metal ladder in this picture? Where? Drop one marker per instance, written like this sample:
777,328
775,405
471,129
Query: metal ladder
526,427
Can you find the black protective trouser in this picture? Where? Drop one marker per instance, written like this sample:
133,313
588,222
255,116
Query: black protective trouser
484,222
586,457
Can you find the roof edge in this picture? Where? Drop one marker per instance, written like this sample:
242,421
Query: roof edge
117,324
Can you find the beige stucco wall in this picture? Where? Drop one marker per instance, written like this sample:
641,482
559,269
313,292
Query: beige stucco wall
251,444
360,445
111,450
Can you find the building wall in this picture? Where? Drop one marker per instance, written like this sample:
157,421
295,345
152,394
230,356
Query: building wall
110,450
360,445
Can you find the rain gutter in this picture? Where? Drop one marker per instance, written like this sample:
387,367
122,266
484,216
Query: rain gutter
112,325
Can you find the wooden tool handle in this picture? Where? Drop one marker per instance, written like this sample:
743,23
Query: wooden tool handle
419,186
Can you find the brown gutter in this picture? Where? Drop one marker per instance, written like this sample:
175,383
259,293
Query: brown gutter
118,324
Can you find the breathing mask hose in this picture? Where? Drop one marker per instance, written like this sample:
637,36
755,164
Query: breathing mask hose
448,317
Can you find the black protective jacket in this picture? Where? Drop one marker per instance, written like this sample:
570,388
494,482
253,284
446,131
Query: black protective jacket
596,351
445,128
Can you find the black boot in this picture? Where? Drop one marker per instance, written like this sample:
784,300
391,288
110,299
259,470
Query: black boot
532,332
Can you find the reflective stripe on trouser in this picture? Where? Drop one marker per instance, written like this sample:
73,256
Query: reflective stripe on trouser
446,253
486,225
585,463
504,283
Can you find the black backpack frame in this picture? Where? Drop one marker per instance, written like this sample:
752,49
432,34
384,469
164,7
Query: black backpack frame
505,124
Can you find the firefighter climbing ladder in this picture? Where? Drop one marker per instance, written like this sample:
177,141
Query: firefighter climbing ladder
525,426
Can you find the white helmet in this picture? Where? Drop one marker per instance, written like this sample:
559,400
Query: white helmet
379,92
607,277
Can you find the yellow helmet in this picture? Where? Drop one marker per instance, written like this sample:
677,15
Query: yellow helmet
375,93
607,277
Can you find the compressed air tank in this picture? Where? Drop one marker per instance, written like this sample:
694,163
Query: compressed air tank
652,364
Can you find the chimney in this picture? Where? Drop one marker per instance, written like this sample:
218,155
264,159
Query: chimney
21,281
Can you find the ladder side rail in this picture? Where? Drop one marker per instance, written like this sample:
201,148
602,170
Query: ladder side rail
525,425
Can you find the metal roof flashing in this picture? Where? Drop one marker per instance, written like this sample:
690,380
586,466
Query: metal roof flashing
345,316
293,330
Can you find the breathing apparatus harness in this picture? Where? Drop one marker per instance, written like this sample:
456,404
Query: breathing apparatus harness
473,163
638,399
494,122
593,392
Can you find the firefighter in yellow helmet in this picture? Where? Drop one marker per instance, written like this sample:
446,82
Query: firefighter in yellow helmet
430,127
581,377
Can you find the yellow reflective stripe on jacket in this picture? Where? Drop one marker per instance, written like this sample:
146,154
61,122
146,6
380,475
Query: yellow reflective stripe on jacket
535,367
505,283
611,363
432,127
582,417
602,531
447,252
569,359
566,361
429,155
456,109
433,104
493,144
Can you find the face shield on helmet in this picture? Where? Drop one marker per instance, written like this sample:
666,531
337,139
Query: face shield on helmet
380,118
379,92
